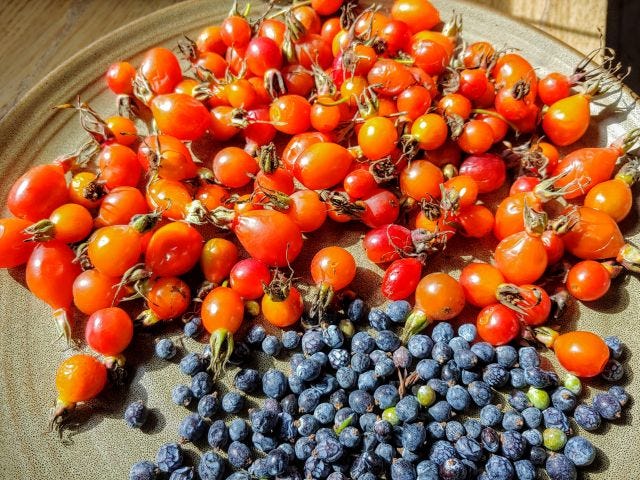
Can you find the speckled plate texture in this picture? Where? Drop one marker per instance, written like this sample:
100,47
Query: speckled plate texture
103,447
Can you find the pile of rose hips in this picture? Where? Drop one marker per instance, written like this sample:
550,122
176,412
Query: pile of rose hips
391,121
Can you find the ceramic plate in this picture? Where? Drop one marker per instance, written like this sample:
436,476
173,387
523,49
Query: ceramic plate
104,447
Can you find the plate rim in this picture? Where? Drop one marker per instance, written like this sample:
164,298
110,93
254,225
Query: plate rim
58,73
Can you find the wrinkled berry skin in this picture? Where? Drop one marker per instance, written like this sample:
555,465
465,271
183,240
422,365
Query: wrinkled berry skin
185,473
169,457
143,471
208,406
247,380
379,320
587,417
469,449
398,311
193,328
559,467
182,395
211,466
500,467
528,358
525,470
607,406
290,339
256,335
271,345
620,393
356,310
274,384
513,445
532,417
165,349
239,430
538,456
490,416
453,469
495,375
218,435
232,402
420,346
239,455
613,371
616,347
192,428
490,439
136,414
480,392
192,363
580,451
564,400
554,418
484,351
201,384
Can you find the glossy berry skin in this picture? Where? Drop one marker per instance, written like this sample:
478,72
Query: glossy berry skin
262,54
521,258
480,282
161,69
582,353
180,116
553,87
222,309
613,197
333,266
291,114
282,239
322,165
114,249
439,296
109,331
487,169
377,137
384,244
566,121
120,205
248,276
421,179
401,278
119,166
80,378
51,272
120,77
38,192
233,167
14,249
596,236
588,280
167,297
498,324
173,249
71,223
